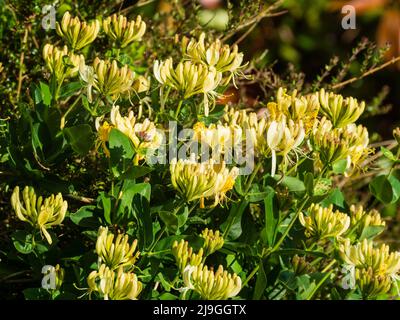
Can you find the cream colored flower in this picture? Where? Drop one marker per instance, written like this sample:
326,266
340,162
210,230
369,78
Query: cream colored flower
189,79
38,212
215,54
185,255
283,137
213,241
372,285
61,63
334,144
115,252
144,135
109,79
111,285
361,220
210,285
364,255
341,111
77,34
294,107
204,180
124,32
321,223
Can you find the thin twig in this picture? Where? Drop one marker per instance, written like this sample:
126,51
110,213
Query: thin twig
369,72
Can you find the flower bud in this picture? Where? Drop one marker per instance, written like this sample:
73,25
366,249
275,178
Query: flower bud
124,32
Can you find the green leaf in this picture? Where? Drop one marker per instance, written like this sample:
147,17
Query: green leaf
45,94
261,282
70,89
340,166
309,183
234,220
381,187
388,154
23,241
293,184
170,220
84,217
135,172
80,137
271,217
121,152
106,204
336,198
371,232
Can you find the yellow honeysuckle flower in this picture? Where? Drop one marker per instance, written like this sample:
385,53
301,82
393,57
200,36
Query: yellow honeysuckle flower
61,63
189,79
124,32
341,111
283,137
361,220
115,252
372,285
210,285
111,285
219,138
334,144
364,255
223,57
103,133
202,180
294,107
144,135
38,212
321,223
110,80
213,241
77,34
185,255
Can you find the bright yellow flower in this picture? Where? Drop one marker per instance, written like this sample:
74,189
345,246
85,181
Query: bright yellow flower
114,285
195,180
185,255
372,285
77,34
321,223
210,285
61,63
124,32
213,241
364,255
361,220
115,252
38,212
341,111
189,79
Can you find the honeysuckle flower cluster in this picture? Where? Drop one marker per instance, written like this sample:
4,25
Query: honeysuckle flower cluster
115,252
210,284
361,220
144,135
349,143
213,241
75,33
295,107
185,255
194,180
122,31
376,268
61,63
321,223
188,79
41,213
107,78
223,58
114,285
340,111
